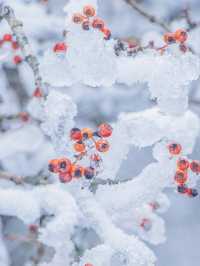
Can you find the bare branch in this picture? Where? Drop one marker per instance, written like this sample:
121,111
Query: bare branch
148,16
16,26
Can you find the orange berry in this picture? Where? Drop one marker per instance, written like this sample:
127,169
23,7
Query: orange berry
53,166
181,177
95,157
169,38
98,23
174,148
64,165
37,93
77,171
60,47
107,33
79,146
89,11
102,145
180,35
183,164
75,134
77,18
105,130
195,166
86,133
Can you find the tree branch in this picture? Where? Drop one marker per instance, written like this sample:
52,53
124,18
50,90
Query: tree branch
148,16
16,26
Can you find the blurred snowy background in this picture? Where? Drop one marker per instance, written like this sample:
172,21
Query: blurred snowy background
44,25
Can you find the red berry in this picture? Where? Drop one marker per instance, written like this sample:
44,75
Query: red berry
37,93
86,25
24,116
33,228
98,23
65,177
89,172
17,59
7,37
64,165
105,130
180,35
181,177
102,145
15,45
89,11
107,33
77,18
60,47
88,264
174,148
183,164
95,157
169,38
195,166
75,134
146,224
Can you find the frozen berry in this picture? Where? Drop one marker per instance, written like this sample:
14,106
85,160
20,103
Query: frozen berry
183,47
24,116
192,192
53,166
37,93
89,11
169,38
77,18
64,165
107,33
105,130
195,166
154,205
17,59
86,25
102,145
75,134
180,35
77,171
183,164
60,47
181,177
65,177
98,23
7,37
146,224
182,189
86,133
88,264
174,148
15,45
95,157
79,146
89,172
33,228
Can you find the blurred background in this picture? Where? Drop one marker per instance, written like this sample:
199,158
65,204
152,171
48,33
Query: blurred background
44,23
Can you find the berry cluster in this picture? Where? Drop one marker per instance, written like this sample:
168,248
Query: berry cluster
88,19
182,171
8,38
88,145
179,36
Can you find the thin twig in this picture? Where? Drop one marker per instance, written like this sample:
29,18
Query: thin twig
148,16
14,178
7,13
